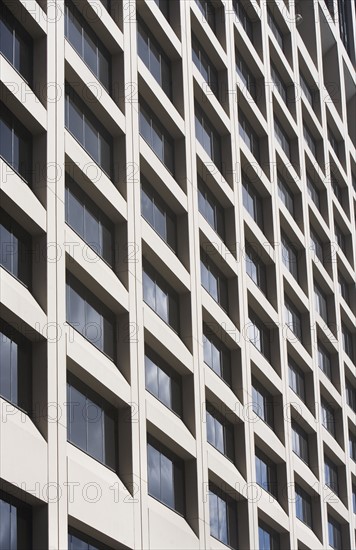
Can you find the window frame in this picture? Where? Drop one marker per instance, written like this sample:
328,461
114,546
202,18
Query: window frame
206,128
165,288
87,205
224,370
101,50
166,139
170,238
263,401
176,402
298,377
89,119
304,512
107,317
211,271
300,442
227,429
230,521
17,129
178,468
108,411
208,198
270,483
164,60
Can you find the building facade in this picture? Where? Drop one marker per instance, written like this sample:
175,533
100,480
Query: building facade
177,274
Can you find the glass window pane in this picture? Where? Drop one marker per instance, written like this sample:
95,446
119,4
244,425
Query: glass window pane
91,140
77,425
149,291
6,141
167,486
151,371
90,52
92,230
213,513
75,310
94,416
164,388
161,303
75,121
75,213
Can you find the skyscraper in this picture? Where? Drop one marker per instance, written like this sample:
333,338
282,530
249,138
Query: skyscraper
177,274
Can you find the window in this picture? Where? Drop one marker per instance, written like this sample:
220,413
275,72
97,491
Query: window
262,403
333,141
343,288
296,379
89,222
285,194
90,317
252,201
205,66
15,249
278,82
158,214
213,280
266,473
275,29
16,44
316,246
79,541
337,189
324,361
92,423
267,537
303,506
223,516
352,446
165,473
320,303
259,335
15,367
243,18
208,11
289,256
354,499
328,417
211,209
160,296
164,7
300,442
340,238
313,192
87,129
293,319
306,89
351,395
87,44
15,144
216,354
255,268
207,136
16,523
331,476
163,382
347,343
334,532
246,75
346,29
310,141
249,136
156,136
220,432
154,57
282,138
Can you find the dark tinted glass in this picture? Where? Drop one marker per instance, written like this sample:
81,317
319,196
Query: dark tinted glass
163,382
92,423
89,221
15,144
15,43
87,44
158,214
90,317
15,249
160,296
15,524
90,133
165,475
15,367
156,136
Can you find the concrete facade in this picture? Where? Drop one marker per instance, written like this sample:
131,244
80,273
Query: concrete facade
65,486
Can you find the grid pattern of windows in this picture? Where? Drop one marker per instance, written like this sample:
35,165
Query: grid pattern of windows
171,149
